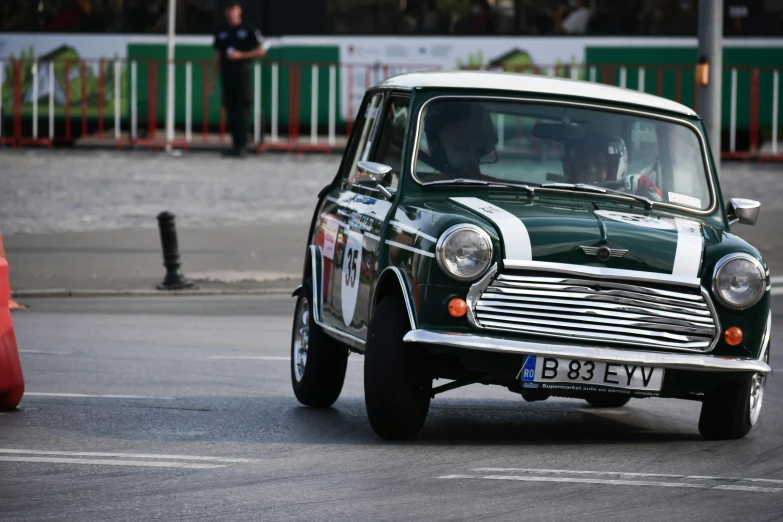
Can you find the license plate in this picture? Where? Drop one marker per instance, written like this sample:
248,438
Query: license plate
582,375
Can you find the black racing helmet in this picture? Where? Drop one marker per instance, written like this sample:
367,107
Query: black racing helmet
439,114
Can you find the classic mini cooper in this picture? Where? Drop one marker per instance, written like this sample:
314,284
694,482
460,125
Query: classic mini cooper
559,238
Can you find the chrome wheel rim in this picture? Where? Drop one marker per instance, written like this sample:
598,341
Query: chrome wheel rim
301,339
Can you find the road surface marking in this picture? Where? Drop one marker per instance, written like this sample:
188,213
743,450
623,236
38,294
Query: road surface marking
106,462
130,455
623,474
87,395
615,482
42,352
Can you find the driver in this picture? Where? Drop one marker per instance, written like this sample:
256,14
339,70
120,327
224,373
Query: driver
598,158
459,135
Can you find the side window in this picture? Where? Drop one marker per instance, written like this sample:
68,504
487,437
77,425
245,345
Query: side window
361,144
390,142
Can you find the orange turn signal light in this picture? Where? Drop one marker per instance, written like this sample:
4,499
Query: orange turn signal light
733,336
458,307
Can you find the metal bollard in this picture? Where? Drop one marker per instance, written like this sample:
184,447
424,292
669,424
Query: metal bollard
174,279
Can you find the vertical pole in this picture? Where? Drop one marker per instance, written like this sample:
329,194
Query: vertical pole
332,103
100,97
314,107
754,111
623,74
678,85
592,73
204,104
188,101
152,100
775,112
575,72
711,47
257,103
84,99
170,74
17,102
35,99
733,113
274,102
134,102
67,100
51,99
117,67
640,81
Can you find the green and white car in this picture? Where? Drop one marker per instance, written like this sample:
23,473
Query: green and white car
559,238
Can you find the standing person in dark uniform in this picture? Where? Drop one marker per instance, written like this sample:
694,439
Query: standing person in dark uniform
236,45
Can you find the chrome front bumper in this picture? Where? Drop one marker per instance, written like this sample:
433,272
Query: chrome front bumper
674,361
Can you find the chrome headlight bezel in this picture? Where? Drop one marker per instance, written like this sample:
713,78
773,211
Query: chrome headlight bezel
442,243
721,264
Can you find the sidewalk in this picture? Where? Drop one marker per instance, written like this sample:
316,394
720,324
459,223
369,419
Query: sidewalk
239,258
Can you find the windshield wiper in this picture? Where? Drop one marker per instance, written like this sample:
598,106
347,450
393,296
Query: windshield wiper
492,184
648,203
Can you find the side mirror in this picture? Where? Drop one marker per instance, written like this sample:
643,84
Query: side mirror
370,173
743,211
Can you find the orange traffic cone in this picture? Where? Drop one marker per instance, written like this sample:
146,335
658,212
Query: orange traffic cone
11,377
12,305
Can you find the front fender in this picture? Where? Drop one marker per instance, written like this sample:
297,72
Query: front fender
391,281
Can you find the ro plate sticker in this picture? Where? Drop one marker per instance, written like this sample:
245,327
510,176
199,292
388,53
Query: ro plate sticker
682,199
636,219
352,258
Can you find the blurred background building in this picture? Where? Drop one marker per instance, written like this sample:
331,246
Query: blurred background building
398,17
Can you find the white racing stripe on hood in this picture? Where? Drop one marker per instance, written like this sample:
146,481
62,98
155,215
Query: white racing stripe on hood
514,235
690,244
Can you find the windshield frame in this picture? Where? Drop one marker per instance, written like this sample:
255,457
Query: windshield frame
419,129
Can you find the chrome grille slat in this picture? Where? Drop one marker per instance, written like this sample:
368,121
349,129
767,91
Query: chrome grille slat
592,310
646,315
597,336
588,293
663,325
604,284
597,300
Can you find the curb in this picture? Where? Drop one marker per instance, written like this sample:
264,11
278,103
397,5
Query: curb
64,292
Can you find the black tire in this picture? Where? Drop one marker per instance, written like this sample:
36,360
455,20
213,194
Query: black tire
608,400
320,382
397,384
726,413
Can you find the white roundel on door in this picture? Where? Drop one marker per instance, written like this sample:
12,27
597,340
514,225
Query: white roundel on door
352,265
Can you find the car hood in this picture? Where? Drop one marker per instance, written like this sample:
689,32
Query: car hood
572,232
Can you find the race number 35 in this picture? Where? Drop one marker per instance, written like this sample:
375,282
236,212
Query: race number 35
350,276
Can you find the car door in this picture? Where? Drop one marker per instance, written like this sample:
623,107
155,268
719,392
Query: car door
357,213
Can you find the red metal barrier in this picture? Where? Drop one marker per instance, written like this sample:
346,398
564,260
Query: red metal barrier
750,124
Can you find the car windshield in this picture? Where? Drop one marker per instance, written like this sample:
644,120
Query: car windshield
464,141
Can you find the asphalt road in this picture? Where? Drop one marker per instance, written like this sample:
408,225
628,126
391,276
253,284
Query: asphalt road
182,409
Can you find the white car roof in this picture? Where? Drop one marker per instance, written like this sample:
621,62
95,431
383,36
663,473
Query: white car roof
533,83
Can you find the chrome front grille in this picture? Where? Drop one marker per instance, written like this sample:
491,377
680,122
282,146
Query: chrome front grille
590,310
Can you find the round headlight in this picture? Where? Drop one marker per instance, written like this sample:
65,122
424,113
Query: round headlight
739,281
464,252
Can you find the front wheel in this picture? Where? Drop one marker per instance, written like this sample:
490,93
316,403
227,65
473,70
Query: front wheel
318,362
731,411
397,385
